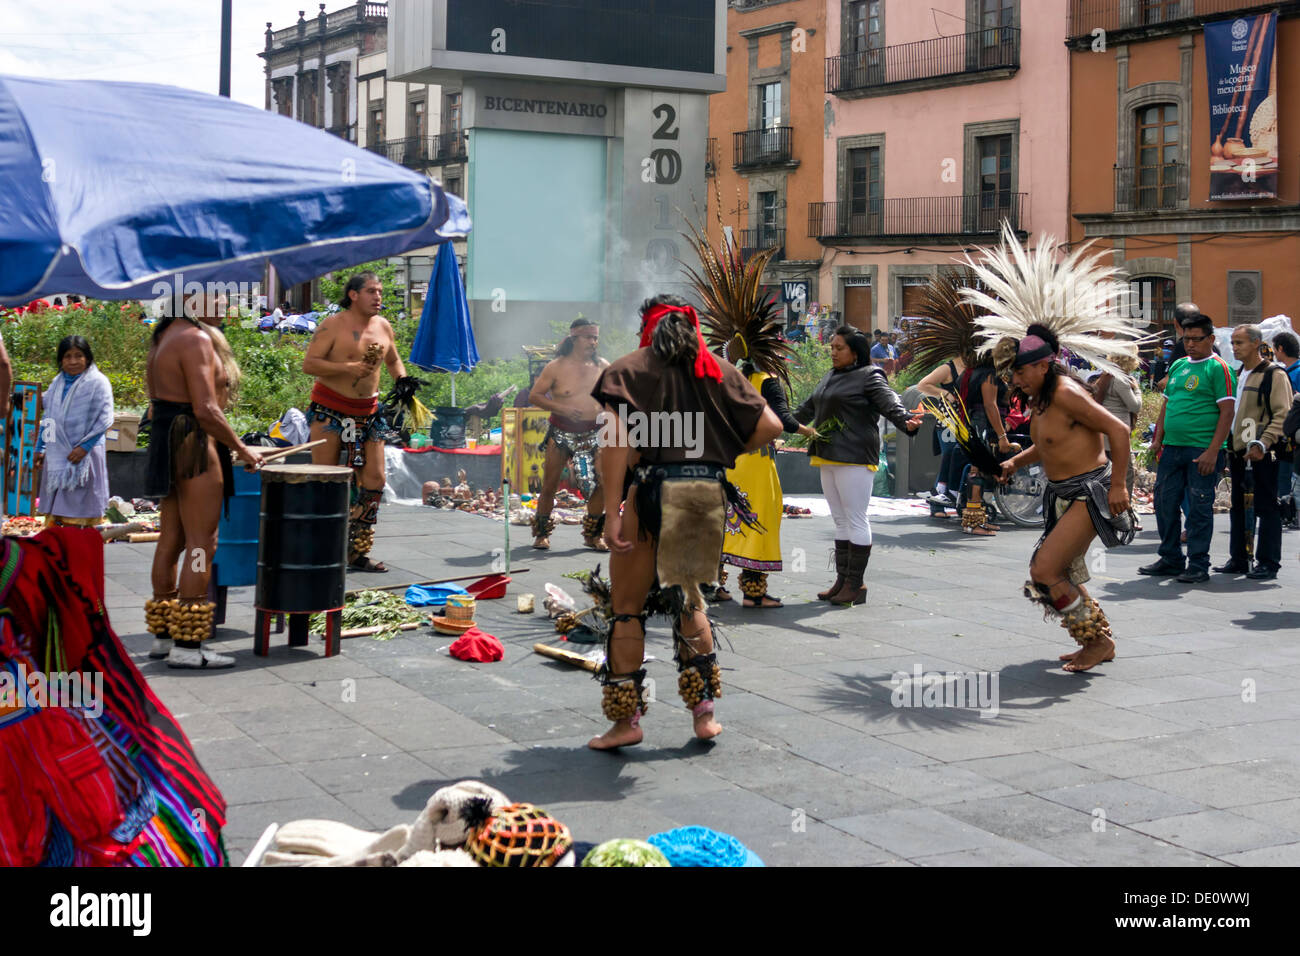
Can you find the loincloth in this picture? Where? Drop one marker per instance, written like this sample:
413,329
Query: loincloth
580,448
1093,488
178,450
338,412
683,508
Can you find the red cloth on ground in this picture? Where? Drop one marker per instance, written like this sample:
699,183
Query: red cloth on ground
476,645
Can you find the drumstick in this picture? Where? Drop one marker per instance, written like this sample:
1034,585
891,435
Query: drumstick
285,452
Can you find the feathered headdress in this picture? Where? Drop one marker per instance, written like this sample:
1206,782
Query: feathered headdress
1048,305
944,326
737,313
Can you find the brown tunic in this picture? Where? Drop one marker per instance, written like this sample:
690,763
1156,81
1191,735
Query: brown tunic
728,411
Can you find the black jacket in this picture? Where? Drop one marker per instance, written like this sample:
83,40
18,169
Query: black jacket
857,397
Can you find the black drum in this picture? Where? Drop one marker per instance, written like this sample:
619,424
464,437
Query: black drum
303,546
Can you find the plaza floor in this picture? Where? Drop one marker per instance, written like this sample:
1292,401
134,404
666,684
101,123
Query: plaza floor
1185,750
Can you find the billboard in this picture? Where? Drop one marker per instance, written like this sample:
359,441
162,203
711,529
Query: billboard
1241,65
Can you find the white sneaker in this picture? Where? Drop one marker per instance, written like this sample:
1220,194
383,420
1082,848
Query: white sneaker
161,647
198,657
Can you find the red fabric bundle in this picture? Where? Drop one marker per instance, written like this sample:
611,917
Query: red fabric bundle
476,645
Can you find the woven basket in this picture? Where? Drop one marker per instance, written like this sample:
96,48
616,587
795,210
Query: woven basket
460,608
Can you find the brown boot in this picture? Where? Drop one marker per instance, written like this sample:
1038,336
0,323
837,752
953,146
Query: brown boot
841,567
853,592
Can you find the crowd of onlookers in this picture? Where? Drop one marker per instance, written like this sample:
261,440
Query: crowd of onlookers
1225,417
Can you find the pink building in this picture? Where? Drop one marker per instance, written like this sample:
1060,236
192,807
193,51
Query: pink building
943,119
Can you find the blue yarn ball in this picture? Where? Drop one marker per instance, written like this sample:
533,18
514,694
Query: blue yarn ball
700,846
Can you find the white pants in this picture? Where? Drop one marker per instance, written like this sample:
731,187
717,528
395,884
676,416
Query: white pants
848,491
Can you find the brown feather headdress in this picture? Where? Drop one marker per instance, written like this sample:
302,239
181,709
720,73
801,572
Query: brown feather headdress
737,313
944,327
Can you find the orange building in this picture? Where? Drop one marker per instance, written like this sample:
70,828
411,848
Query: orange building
766,139
1143,143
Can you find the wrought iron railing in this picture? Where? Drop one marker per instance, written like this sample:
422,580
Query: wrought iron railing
917,216
997,48
1088,16
761,147
712,157
760,238
418,152
1161,186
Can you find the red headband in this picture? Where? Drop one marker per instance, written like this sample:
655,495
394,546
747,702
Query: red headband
706,366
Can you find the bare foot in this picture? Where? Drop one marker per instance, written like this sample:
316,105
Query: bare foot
1094,653
706,727
622,734
1070,656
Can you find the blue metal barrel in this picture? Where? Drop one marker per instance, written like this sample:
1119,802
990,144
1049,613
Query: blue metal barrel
235,564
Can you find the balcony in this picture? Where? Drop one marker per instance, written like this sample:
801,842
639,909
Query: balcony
1143,188
1135,18
760,238
340,21
420,152
755,148
941,218
992,54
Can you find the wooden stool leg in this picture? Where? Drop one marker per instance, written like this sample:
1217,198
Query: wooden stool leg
333,632
298,629
262,634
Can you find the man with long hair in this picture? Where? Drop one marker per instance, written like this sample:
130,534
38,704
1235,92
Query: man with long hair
564,389
1085,495
191,376
1048,301
675,420
346,356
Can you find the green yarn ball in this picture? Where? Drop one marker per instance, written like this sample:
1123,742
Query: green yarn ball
625,853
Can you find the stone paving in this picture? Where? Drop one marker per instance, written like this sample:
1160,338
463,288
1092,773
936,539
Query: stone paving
1185,750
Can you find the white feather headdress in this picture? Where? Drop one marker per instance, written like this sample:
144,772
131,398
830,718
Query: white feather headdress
1078,298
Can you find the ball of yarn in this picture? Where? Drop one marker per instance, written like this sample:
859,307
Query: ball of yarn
625,853
700,846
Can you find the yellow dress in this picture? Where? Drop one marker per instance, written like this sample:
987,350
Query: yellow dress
755,475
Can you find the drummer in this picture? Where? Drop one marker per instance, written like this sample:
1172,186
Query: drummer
191,375
346,356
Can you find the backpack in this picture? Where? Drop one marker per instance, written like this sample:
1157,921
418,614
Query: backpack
1286,444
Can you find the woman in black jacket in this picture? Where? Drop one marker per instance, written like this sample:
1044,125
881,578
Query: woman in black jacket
844,409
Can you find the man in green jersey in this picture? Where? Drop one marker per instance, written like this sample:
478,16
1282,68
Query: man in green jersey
1194,422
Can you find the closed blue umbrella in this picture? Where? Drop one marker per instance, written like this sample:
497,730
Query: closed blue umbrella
445,339
109,189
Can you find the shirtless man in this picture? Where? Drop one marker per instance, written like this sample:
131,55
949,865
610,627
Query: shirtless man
189,372
345,357
564,390
1084,497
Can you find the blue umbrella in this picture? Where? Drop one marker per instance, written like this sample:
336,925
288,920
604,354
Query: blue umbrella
110,189
445,339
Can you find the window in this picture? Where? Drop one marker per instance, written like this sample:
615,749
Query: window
767,222
375,127
307,101
865,199
1156,174
769,105
1155,296
865,41
453,113
453,186
1160,11
997,17
995,180
416,145
866,30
